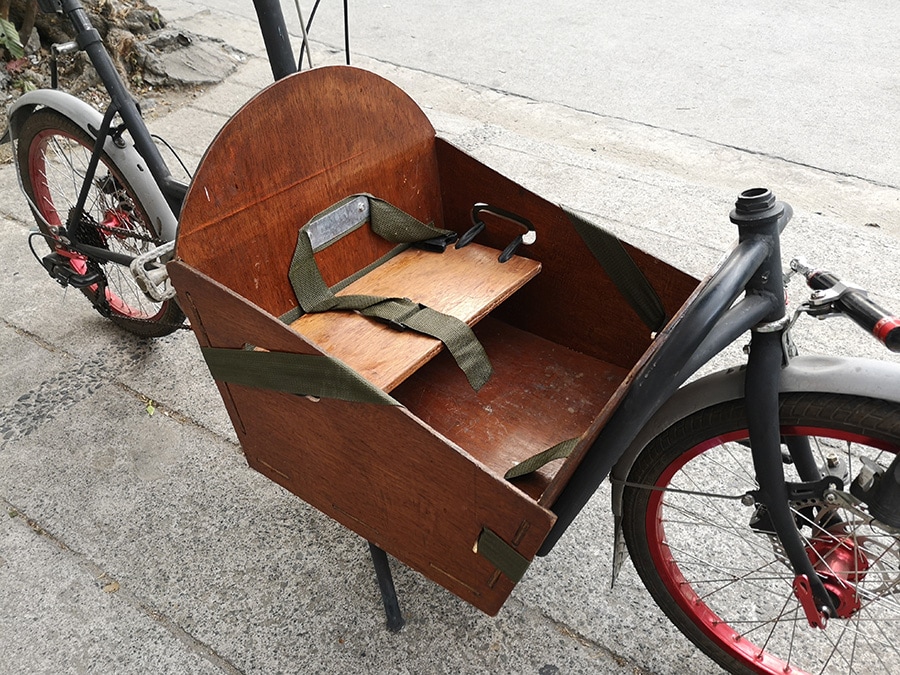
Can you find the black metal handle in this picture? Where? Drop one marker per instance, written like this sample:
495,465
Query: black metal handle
527,238
855,303
470,234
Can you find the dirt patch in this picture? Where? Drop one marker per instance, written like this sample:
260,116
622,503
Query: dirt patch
136,35
163,67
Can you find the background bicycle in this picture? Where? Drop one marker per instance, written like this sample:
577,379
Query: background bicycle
105,200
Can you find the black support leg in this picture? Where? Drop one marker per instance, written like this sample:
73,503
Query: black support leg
386,585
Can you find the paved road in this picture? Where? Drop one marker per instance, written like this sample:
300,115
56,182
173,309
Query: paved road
810,81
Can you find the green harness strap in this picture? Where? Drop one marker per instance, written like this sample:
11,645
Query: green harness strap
622,270
398,227
303,374
535,462
501,555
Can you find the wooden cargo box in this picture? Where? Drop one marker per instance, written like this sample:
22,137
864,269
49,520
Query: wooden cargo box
383,432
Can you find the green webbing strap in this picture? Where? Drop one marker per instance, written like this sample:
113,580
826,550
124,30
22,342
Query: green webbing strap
398,227
402,313
535,462
627,277
501,555
304,374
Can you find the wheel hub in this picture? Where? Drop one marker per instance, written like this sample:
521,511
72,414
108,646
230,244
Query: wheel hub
841,564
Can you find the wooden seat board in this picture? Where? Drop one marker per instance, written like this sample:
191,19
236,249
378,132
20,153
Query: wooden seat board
466,283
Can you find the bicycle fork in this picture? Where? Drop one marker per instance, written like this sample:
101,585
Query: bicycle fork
757,215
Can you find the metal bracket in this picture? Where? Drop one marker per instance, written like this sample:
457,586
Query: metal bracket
821,302
852,503
773,326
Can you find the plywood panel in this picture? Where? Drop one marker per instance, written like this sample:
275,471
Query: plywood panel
376,469
540,394
298,147
573,302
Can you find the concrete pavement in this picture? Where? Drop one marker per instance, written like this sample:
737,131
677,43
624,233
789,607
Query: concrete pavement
138,543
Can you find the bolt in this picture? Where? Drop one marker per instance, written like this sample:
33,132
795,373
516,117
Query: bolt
830,497
866,480
832,460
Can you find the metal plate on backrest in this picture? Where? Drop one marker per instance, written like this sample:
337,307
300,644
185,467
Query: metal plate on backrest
335,223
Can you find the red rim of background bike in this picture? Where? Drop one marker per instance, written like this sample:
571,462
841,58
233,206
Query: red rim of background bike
680,588
43,198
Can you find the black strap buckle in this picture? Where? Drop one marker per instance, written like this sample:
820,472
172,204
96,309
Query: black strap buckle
437,244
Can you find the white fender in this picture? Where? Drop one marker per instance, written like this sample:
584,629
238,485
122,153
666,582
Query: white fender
126,159
825,374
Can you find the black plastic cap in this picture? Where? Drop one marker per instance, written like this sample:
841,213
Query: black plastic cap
756,206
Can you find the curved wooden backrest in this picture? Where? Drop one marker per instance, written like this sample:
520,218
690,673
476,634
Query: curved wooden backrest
295,149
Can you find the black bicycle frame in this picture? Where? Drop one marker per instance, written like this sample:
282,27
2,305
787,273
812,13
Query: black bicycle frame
275,37
278,48
709,322
88,39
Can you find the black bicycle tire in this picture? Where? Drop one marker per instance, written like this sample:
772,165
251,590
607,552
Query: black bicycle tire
871,418
169,317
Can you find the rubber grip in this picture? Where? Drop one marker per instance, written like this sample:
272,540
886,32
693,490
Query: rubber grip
888,331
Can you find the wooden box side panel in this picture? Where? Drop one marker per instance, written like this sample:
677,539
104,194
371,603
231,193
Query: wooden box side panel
572,301
376,469
294,150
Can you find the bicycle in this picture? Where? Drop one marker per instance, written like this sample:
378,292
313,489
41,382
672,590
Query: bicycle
104,199
760,505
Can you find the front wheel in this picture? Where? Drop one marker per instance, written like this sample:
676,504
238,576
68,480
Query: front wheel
52,155
724,580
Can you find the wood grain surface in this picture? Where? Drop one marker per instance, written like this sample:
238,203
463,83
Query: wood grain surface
467,283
